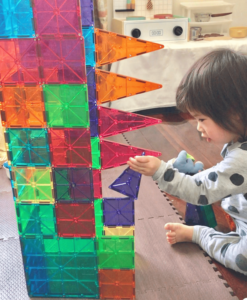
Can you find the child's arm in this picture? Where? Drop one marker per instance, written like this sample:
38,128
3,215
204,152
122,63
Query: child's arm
204,188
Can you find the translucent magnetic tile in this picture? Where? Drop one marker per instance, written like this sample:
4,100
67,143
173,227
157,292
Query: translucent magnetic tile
19,61
115,154
57,17
73,184
112,121
60,267
36,219
32,185
97,184
95,145
117,284
57,246
16,19
98,214
111,47
28,147
66,105
70,147
111,86
75,220
22,106
128,183
116,252
87,12
62,60
200,215
119,211
119,230
88,34
93,113
91,81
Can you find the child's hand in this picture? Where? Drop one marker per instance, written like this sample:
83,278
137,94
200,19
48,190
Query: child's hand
146,165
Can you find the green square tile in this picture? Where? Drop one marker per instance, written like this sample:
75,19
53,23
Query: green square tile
116,252
66,105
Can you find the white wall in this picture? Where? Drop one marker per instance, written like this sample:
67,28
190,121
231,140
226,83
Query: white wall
239,11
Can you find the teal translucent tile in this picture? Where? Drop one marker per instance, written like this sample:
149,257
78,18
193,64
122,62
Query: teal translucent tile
28,147
16,19
116,252
66,105
88,34
36,219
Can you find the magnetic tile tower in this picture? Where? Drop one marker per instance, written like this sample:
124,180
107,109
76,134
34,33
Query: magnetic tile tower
75,243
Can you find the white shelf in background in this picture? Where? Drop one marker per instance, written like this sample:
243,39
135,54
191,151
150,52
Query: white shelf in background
196,24
205,4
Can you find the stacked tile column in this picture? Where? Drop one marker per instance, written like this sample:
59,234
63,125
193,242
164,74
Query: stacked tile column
75,243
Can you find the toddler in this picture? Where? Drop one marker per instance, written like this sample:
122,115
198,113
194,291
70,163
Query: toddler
214,92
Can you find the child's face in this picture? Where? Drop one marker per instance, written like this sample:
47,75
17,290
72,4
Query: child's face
211,131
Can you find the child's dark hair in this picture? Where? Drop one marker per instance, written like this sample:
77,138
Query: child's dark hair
216,86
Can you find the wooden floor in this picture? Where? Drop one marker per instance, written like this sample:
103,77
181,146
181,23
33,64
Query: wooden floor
178,132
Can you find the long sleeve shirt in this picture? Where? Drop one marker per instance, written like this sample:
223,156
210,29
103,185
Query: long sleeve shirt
226,181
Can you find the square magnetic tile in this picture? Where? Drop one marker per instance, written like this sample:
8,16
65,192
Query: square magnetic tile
66,105
62,60
70,147
73,184
119,211
57,17
32,185
75,220
16,19
22,106
28,147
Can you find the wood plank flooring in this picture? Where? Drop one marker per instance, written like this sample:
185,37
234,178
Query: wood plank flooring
178,132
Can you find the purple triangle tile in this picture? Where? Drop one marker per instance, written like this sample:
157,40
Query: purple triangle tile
128,183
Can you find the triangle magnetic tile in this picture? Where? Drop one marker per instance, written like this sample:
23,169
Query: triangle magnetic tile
111,47
111,86
113,121
115,154
127,183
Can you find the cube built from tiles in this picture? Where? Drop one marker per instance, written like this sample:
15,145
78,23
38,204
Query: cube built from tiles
75,242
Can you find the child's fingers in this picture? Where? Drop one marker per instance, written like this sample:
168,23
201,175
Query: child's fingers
134,162
142,159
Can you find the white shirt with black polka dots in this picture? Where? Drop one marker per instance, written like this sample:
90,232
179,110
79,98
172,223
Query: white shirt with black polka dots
226,181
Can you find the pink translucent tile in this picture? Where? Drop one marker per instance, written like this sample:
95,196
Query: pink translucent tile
62,60
57,17
113,121
97,184
115,154
19,61
70,147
